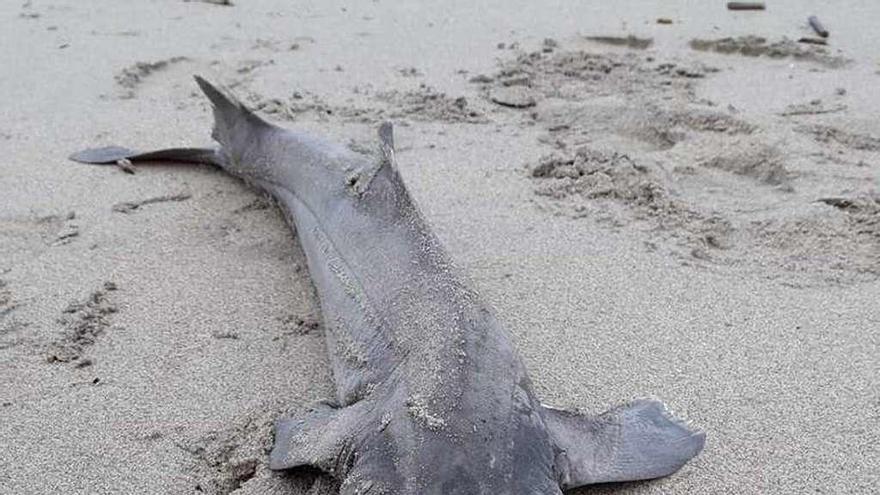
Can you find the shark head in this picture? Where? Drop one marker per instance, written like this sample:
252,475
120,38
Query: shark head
409,454
535,450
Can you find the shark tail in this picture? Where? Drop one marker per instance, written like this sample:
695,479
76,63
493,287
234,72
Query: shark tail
235,127
234,124
111,155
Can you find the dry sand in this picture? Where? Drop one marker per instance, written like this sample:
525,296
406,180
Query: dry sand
649,215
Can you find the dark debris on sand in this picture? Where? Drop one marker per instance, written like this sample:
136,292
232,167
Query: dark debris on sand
756,46
83,322
130,206
131,77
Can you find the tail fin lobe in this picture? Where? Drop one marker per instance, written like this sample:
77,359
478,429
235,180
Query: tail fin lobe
230,115
113,154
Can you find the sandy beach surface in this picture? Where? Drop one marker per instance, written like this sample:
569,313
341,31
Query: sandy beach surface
687,210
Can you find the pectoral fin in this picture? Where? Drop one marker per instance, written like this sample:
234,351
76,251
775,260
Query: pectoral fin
636,441
323,437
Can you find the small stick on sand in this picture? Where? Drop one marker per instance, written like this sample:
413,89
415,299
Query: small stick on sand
745,5
842,203
813,41
794,110
817,26
130,206
215,2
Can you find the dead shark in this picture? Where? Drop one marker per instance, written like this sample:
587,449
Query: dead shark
431,396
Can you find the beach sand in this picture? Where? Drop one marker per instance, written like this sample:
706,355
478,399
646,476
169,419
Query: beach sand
649,215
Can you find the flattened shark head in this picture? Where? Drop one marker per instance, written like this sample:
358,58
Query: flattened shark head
404,455
537,451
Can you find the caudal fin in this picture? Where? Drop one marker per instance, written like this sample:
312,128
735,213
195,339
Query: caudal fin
234,127
233,122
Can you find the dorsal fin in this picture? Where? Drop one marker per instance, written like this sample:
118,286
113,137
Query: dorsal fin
386,144
360,181
387,161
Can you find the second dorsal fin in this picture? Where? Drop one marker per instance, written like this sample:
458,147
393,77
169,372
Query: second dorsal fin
386,144
360,181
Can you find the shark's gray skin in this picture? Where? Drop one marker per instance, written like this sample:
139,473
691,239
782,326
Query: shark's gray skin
431,397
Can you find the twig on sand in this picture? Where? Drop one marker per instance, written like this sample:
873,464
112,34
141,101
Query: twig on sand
627,41
813,41
811,110
128,207
745,5
215,2
841,203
